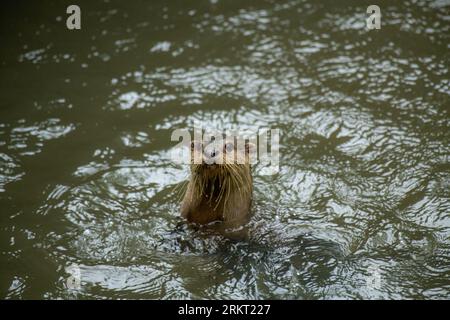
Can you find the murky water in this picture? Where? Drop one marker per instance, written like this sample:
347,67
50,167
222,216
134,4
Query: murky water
359,209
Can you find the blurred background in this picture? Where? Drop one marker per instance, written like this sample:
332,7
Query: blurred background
359,210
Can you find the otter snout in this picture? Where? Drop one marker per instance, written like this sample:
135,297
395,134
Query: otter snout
212,155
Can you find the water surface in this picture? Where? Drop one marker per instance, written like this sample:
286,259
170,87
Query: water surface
359,209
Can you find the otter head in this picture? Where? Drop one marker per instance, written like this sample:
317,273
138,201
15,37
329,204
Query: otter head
219,157
220,168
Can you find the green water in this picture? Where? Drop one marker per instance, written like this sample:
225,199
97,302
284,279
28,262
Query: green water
359,209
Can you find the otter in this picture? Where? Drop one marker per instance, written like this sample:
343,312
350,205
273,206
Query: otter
220,185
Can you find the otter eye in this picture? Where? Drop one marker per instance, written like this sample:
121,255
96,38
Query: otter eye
229,147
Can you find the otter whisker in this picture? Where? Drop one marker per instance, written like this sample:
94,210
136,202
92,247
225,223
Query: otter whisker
218,192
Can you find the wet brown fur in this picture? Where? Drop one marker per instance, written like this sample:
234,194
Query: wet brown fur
219,192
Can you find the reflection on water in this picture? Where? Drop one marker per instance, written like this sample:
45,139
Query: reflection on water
359,209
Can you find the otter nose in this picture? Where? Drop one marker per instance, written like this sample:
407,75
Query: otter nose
211,153
211,156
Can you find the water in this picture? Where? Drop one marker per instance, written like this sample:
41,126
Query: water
359,209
